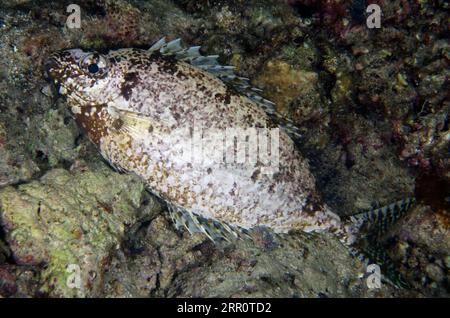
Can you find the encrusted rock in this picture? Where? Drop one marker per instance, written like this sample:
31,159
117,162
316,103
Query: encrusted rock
69,223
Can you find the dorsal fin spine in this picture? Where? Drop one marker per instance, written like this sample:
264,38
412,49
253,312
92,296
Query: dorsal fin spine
225,73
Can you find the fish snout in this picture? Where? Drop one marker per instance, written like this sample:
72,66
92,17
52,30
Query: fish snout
52,68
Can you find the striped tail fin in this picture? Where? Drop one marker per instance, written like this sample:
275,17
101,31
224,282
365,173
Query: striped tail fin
377,254
371,225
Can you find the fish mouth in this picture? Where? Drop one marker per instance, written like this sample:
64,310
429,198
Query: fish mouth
51,69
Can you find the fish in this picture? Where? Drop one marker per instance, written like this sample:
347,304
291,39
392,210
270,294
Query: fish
203,140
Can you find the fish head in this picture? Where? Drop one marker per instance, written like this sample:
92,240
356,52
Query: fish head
80,75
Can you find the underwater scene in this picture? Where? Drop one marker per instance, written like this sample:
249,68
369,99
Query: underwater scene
224,149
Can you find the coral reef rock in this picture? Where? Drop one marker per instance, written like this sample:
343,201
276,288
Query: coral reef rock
68,223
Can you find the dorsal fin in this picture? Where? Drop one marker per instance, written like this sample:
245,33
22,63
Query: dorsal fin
226,73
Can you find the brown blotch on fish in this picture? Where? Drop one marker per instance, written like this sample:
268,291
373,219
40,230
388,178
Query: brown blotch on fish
117,124
256,174
166,63
94,124
130,81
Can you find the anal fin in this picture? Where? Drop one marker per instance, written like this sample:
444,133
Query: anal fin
213,229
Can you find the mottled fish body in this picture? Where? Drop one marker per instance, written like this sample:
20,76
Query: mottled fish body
143,109
137,105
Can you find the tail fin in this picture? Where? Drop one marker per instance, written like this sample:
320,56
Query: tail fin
377,254
371,225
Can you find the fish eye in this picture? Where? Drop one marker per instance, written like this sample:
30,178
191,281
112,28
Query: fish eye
93,68
95,64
